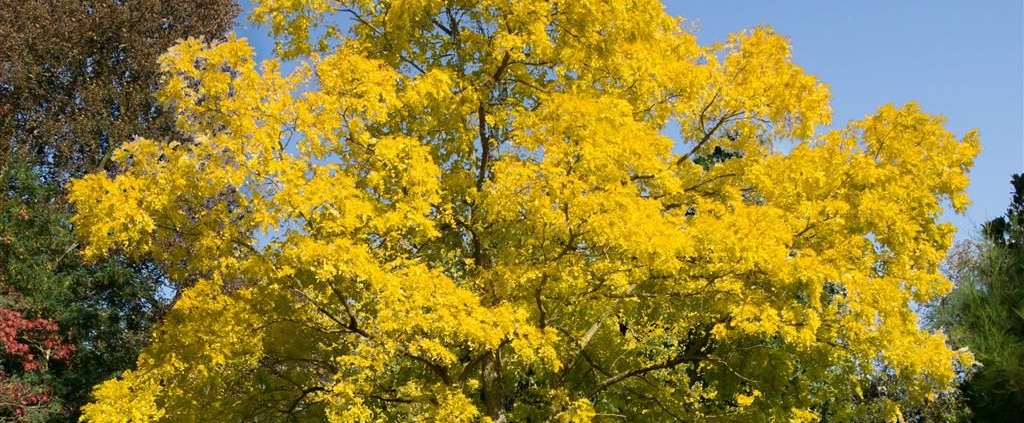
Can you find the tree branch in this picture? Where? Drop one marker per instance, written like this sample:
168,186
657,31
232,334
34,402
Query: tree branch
707,137
692,354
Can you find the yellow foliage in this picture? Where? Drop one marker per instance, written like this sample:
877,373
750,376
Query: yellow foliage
470,211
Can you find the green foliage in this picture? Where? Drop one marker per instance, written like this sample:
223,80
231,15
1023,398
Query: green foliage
105,309
985,313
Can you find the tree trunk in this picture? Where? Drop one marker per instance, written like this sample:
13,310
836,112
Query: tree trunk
494,389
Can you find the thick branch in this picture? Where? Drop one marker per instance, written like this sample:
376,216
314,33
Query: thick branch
439,370
485,146
494,387
582,345
305,392
485,141
607,383
692,354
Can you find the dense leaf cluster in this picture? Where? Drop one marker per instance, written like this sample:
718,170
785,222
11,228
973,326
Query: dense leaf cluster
469,211
77,77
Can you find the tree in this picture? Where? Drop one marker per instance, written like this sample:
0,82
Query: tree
104,310
29,348
77,79
985,313
467,211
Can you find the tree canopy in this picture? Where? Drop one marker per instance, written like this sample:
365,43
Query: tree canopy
77,77
985,313
525,211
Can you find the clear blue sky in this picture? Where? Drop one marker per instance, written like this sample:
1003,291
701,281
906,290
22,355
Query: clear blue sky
963,59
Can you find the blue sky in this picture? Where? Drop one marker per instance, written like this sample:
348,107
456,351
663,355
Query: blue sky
963,59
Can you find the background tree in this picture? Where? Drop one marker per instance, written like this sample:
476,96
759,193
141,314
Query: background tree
985,313
77,79
30,347
104,309
467,211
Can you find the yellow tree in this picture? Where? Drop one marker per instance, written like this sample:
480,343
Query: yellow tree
470,211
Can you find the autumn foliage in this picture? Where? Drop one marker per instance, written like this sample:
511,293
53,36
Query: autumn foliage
77,77
32,341
525,211
29,347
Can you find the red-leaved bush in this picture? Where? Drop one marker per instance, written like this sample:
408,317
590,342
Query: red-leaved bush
29,347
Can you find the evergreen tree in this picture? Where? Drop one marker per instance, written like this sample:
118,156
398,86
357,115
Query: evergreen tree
985,313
